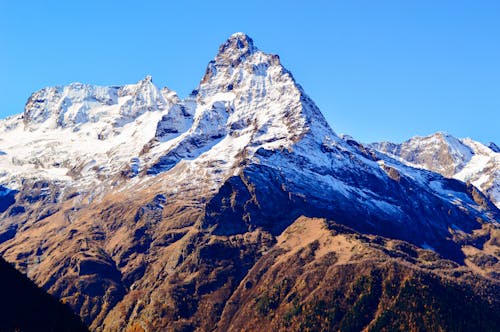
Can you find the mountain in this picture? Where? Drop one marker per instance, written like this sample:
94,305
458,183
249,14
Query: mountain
25,307
462,159
80,134
144,211
321,276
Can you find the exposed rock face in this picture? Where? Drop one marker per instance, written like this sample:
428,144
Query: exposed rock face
440,152
462,159
180,206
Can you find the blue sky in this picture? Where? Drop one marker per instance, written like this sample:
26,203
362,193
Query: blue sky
379,70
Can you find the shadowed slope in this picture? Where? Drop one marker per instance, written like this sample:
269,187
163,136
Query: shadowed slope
25,307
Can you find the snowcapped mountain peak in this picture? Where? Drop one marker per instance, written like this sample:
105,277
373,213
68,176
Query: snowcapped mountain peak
246,109
462,159
76,104
441,137
236,47
103,129
142,97
64,106
261,97
236,59
248,150
246,101
440,152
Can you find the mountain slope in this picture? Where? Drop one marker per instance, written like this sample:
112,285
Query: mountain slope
322,277
462,159
159,219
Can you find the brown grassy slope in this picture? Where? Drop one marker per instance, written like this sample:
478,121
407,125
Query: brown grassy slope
123,266
316,280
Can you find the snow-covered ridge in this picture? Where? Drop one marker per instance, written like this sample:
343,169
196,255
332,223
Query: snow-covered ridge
462,159
85,134
80,133
247,121
246,101
77,104
246,107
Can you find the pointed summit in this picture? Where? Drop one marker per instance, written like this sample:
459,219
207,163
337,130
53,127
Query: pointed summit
238,51
236,48
261,96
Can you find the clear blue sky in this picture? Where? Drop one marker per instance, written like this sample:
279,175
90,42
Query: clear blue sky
379,70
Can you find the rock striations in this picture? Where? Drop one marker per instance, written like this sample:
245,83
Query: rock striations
144,211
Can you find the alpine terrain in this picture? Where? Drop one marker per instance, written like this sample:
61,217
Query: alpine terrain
239,208
462,159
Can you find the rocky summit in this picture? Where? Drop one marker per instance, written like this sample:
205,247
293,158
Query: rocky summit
239,208
463,159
